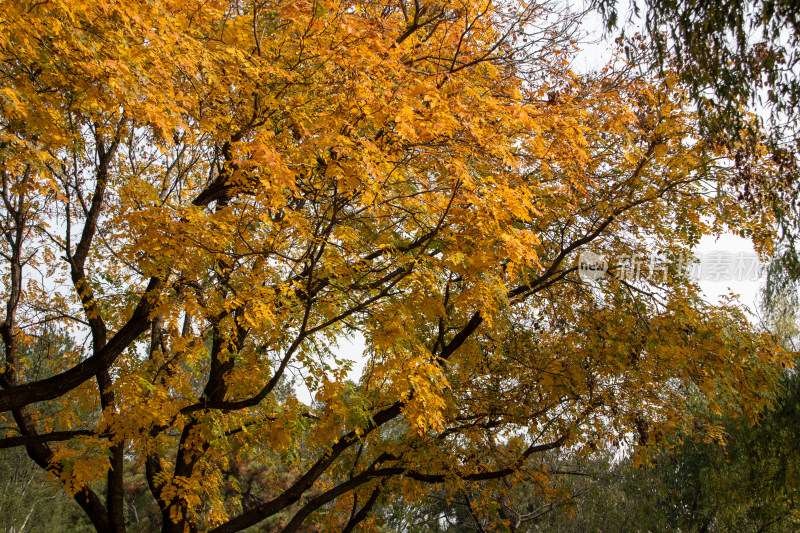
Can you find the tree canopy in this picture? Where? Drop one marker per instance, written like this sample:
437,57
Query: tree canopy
209,196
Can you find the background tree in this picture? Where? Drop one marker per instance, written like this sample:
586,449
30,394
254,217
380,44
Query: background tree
27,501
213,194
733,54
737,57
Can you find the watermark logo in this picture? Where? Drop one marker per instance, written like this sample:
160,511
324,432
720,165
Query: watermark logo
711,266
591,266
727,266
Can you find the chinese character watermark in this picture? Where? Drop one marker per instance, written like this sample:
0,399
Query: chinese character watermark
711,266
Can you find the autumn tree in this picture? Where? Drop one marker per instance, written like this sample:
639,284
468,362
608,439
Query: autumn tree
213,194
